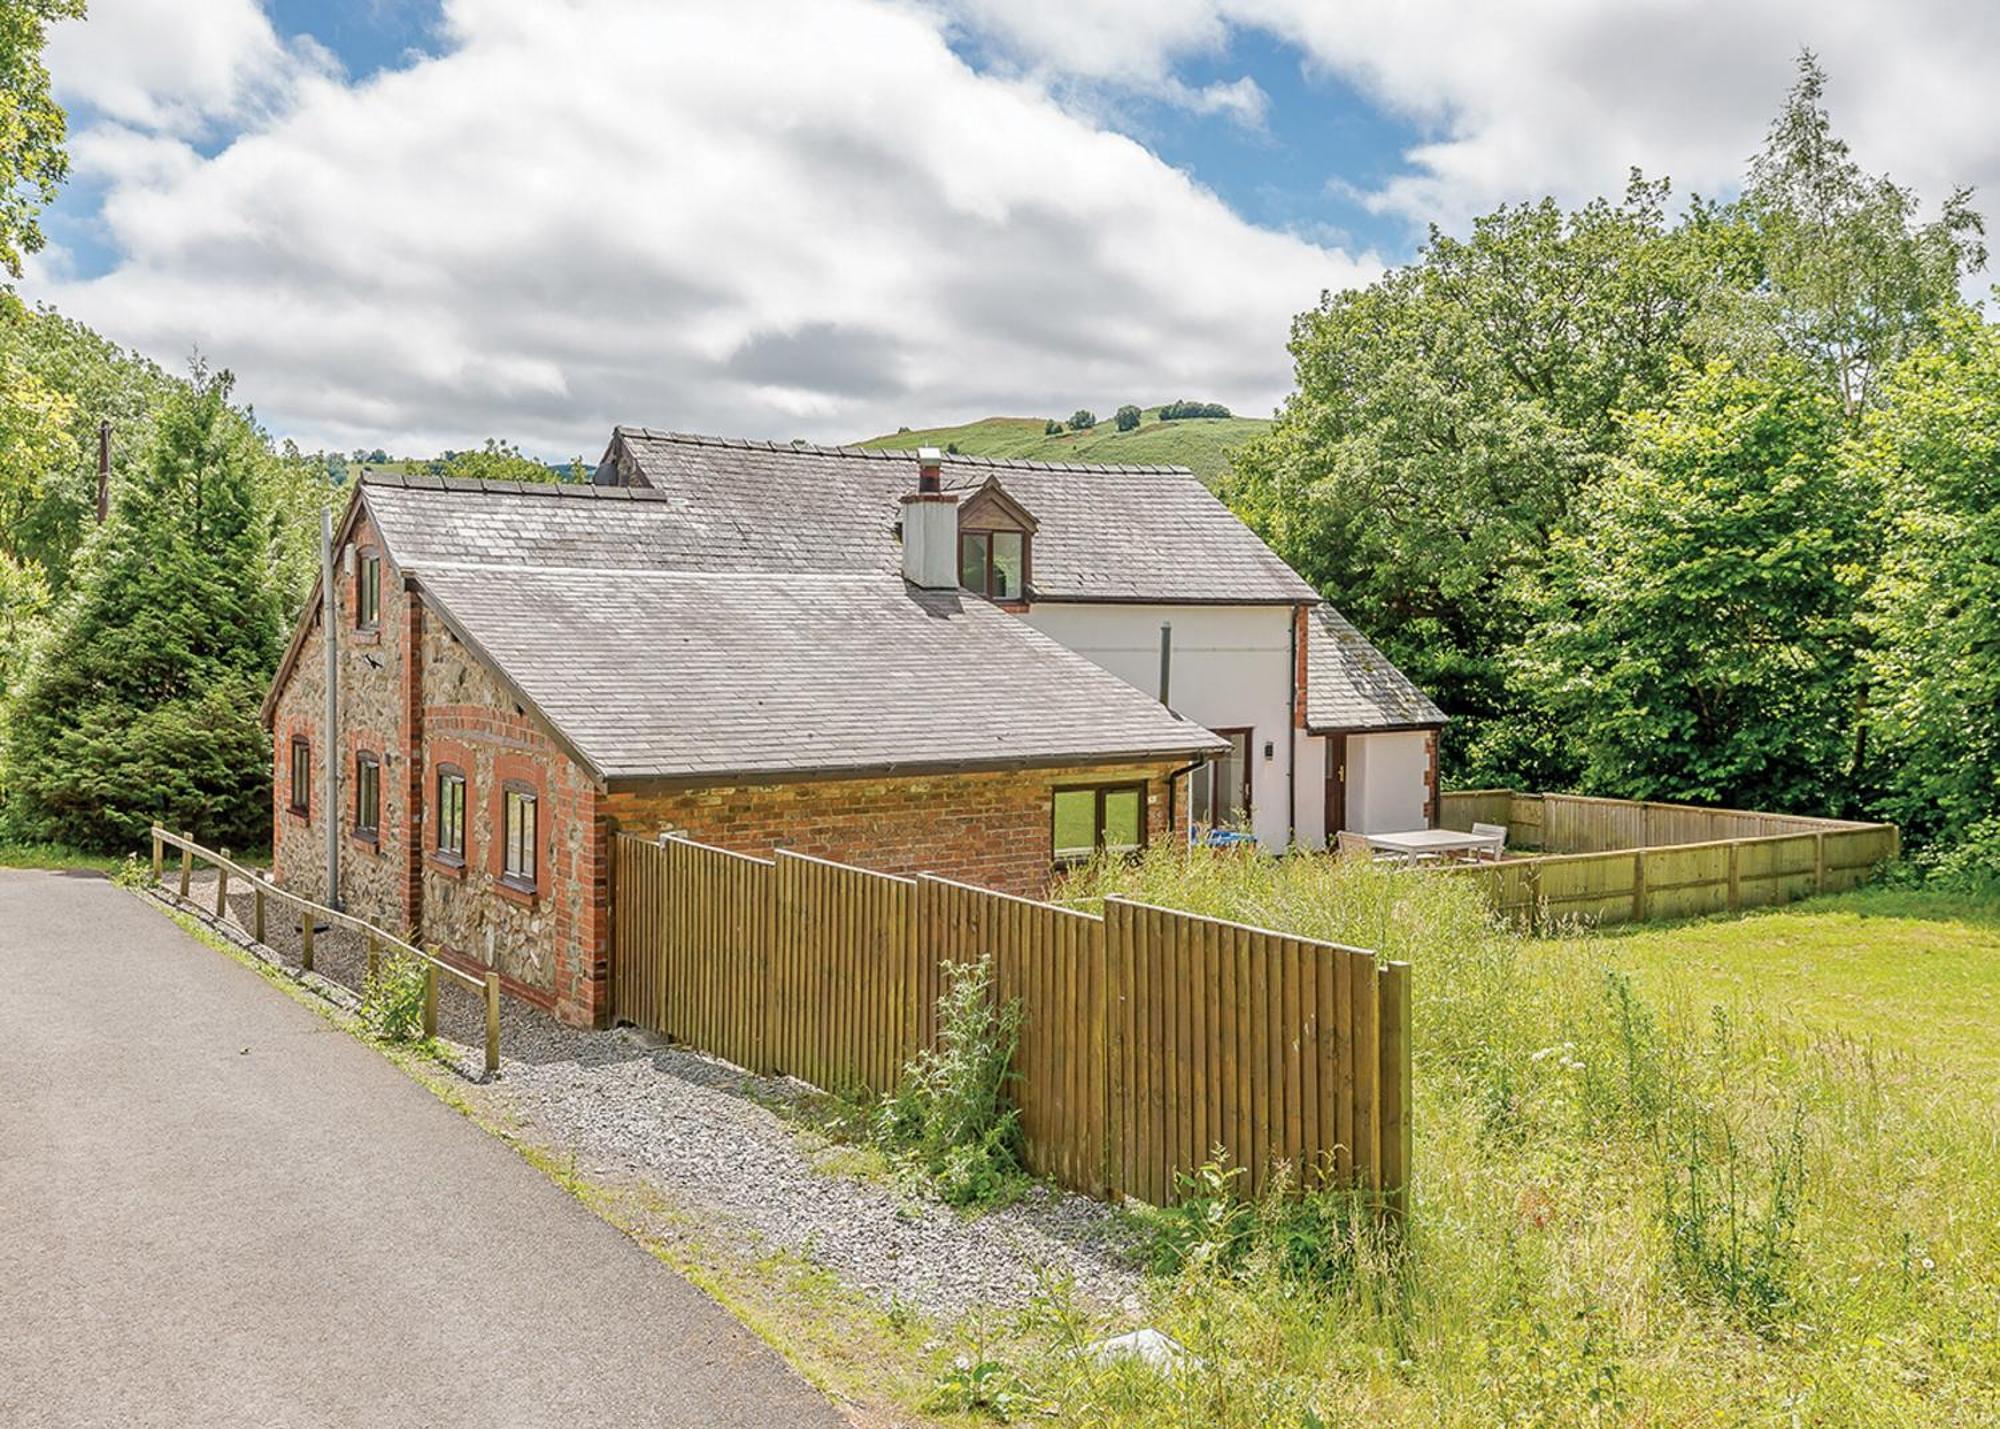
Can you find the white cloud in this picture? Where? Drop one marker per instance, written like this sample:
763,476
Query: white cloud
1564,96
768,217
181,67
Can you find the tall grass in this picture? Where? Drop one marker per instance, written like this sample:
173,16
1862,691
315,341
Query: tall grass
1626,1206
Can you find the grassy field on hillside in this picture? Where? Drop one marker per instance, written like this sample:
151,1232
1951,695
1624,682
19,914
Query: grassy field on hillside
1202,444
1731,1171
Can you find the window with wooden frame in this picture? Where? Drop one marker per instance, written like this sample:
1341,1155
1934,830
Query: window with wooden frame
302,775
993,563
521,825
451,813
367,796
1107,817
368,590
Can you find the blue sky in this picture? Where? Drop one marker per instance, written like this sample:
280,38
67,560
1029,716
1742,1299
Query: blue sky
419,223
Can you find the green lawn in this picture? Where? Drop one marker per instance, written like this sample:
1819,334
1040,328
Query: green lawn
46,855
1916,972
1201,444
1737,1171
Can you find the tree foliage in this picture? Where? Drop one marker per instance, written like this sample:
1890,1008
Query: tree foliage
1127,417
33,162
1082,420
1853,279
1516,463
1697,640
499,460
143,703
1933,450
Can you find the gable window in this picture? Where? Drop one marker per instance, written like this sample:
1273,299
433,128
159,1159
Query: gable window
302,775
367,795
1111,817
993,563
451,811
368,591
518,842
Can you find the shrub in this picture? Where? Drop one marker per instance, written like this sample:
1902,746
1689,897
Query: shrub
1052,428
1082,419
1184,410
392,999
950,1120
1127,417
1970,865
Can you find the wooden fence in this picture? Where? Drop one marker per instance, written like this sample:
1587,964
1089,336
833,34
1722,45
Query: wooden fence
1149,1037
375,939
1615,861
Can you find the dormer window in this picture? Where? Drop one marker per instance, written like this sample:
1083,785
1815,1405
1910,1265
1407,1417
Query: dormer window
993,563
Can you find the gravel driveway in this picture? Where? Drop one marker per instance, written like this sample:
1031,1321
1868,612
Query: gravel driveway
705,1136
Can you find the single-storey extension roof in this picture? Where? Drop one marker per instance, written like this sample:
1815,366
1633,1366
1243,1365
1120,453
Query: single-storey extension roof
1350,685
705,675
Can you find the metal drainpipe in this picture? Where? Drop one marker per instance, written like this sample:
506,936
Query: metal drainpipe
1292,733
329,606
1166,662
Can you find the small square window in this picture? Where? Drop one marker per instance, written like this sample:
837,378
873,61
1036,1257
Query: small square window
1110,817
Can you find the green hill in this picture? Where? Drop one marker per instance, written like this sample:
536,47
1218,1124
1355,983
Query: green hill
1202,443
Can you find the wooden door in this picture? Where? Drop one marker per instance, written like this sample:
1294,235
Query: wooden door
1336,786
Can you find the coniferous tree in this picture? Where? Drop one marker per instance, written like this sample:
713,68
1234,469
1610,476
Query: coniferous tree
143,702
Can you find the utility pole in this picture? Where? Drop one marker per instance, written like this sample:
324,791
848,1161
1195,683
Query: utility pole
103,470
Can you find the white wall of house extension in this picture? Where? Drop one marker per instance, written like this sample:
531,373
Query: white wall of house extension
1231,669
1385,782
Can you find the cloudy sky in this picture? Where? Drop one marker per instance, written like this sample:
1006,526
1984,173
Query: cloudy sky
416,224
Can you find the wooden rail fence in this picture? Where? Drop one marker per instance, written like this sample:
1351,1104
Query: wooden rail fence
376,940
1616,860
1150,1038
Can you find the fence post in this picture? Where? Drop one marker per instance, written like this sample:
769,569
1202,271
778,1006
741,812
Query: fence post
305,939
430,1000
1819,860
1735,875
257,910
1393,984
159,854
222,888
187,860
492,1022
1639,886
374,957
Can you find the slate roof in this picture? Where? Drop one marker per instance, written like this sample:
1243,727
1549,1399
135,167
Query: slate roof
1126,533
671,674
1350,685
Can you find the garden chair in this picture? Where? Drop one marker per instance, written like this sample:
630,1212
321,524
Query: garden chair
1497,833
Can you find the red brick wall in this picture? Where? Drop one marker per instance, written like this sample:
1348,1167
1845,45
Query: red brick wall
989,829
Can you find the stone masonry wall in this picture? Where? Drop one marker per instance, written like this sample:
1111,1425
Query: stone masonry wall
549,944
374,880
989,829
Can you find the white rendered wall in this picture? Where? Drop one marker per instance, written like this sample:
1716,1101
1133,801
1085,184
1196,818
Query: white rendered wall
1232,669
1385,782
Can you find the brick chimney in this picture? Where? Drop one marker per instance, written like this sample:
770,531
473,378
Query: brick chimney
930,527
